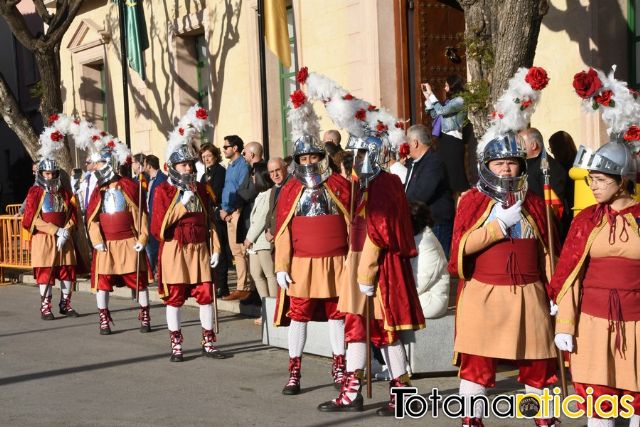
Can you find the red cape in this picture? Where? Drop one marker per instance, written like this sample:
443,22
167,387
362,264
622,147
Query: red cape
389,227
165,198
33,206
340,191
578,244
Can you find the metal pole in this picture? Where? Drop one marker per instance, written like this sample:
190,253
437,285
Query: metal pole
125,72
263,81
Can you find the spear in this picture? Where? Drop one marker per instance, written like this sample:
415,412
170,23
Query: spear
140,178
546,173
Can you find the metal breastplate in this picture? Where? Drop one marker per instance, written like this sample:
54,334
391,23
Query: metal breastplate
113,201
315,202
194,204
53,202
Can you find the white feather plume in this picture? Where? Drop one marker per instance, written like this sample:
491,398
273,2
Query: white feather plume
193,122
303,120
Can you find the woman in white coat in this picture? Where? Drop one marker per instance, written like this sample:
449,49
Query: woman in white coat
430,266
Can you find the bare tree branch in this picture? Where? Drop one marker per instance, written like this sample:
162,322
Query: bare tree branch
55,36
42,11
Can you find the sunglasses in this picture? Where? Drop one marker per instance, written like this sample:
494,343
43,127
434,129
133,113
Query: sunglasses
224,147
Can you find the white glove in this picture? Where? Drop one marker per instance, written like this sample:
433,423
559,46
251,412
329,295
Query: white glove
60,242
553,308
186,196
510,216
215,259
62,232
564,342
283,279
366,289
138,247
100,247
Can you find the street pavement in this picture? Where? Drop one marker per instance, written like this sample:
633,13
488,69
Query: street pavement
63,372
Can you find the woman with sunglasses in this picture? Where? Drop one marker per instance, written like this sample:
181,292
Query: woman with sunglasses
598,279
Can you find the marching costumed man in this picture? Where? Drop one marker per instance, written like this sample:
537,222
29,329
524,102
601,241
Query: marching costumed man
50,216
598,275
500,253
381,246
311,244
181,222
117,227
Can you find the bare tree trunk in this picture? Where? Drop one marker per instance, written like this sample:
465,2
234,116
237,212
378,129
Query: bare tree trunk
501,36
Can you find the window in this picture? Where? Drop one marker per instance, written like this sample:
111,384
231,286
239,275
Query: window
93,93
288,83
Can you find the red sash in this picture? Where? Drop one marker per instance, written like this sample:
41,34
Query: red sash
56,218
611,289
319,236
117,226
191,228
508,262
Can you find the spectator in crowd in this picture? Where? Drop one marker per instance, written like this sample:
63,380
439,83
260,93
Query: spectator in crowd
332,137
449,117
430,266
88,183
237,172
214,175
343,160
258,247
137,165
278,173
426,182
563,148
156,177
252,154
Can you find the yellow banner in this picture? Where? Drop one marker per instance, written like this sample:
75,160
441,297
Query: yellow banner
275,30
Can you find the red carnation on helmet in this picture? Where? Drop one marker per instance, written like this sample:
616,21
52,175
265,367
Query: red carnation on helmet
586,83
605,99
111,144
632,134
537,78
103,133
403,150
76,121
181,131
526,103
372,108
298,98
302,75
361,114
94,138
53,118
400,125
56,136
381,127
348,97
201,114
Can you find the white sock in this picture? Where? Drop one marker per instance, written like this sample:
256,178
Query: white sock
468,389
297,338
395,359
601,422
173,318
103,299
534,390
336,335
143,298
356,355
65,287
45,290
206,316
634,421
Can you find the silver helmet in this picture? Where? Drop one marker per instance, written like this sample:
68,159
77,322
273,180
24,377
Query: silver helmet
104,172
48,165
369,166
312,174
613,158
506,190
184,181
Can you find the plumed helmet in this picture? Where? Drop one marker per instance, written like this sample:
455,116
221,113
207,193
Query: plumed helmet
369,166
48,165
505,190
613,158
311,174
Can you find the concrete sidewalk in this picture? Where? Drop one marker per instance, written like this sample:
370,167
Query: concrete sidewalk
63,372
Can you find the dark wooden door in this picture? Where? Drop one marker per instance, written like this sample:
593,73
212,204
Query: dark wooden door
432,42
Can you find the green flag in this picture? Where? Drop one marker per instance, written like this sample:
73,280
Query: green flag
136,33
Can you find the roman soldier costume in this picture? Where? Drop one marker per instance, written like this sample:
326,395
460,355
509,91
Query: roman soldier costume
311,246
50,216
500,252
181,222
598,276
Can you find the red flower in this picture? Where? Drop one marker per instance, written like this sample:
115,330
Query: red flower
298,98
56,136
496,114
111,144
525,104
537,78
94,138
76,121
201,114
372,108
586,83
403,150
302,75
128,160
400,125
634,93
381,127
605,98
103,133
53,118
348,97
632,134
361,114
181,131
